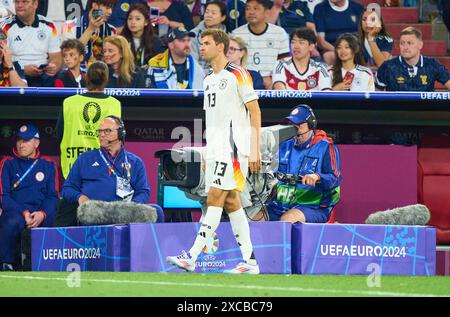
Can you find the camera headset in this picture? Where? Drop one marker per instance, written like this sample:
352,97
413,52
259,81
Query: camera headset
311,120
121,132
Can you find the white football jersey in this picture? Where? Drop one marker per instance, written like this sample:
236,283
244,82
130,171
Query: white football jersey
227,117
266,48
363,79
31,44
315,77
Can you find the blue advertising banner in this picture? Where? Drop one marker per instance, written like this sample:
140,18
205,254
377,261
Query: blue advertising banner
94,248
151,243
363,249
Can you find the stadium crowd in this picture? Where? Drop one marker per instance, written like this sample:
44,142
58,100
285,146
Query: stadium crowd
289,44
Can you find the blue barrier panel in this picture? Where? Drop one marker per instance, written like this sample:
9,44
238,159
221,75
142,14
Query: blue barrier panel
151,243
94,248
363,249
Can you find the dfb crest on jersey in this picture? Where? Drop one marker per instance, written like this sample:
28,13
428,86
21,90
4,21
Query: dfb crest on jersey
223,84
270,43
41,35
312,82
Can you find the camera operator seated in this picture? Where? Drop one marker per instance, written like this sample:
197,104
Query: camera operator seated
109,173
308,173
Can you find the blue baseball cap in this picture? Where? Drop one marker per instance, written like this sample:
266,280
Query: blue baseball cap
299,115
27,132
179,33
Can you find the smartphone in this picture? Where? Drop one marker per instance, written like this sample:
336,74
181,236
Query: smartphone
349,77
96,13
154,12
373,21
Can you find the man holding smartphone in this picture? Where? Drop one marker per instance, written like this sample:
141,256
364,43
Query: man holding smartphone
94,27
33,41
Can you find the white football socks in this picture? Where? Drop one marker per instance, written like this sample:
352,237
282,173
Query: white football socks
241,230
208,227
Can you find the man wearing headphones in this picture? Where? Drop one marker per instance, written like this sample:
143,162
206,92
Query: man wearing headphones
109,173
308,173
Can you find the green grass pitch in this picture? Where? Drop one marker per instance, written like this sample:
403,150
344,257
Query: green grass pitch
213,285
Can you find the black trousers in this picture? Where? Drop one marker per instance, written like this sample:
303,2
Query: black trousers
66,214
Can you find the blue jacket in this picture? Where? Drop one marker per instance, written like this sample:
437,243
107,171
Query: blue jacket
90,176
38,191
319,156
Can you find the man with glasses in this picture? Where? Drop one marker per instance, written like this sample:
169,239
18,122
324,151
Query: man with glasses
77,126
109,173
34,43
11,74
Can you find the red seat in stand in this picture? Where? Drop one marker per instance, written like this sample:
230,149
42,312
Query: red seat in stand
434,183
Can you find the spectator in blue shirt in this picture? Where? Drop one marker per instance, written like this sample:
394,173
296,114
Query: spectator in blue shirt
120,11
411,71
446,14
236,14
333,18
291,15
172,14
375,40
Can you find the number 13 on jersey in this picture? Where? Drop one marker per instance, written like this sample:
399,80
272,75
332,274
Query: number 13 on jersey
212,99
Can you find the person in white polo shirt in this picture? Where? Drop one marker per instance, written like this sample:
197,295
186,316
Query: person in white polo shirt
34,42
266,42
6,8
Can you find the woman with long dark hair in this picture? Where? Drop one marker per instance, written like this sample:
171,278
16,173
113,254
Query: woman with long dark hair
349,71
375,40
139,32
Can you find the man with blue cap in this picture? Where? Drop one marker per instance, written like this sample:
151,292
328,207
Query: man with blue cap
28,192
308,173
175,68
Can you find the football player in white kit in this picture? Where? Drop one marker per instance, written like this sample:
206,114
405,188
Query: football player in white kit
233,123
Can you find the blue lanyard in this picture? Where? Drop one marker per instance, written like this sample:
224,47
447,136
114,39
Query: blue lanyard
111,168
16,184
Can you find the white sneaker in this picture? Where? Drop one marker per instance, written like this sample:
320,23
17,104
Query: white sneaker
183,261
244,268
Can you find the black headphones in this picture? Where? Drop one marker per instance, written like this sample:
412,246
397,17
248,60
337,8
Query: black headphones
121,132
311,120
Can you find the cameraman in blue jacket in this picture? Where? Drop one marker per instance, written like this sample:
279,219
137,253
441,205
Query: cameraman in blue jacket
308,173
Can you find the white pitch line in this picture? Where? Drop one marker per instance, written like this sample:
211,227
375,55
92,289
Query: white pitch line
247,287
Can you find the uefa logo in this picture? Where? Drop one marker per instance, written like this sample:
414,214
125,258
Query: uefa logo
212,244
